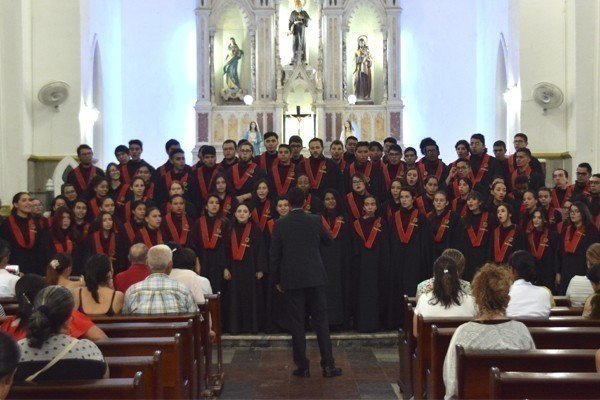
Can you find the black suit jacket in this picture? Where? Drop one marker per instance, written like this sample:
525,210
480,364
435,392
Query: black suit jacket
295,257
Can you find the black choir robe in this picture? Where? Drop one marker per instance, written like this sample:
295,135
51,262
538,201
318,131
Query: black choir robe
265,161
554,218
244,305
190,210
177,228
261,214
354,203
226,166
30,254
200,182
65,243
543,245
476,251
281,179
485,168
375,184
313,204
436,168
323,174
81,177
161,191
424,204
113,246
129,231
505,241
370,265
209,243
559,197
443,230
389,208
150,237
390,172
243,176
572,246
128,170
410,260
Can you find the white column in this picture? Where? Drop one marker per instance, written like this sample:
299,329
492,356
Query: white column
333,73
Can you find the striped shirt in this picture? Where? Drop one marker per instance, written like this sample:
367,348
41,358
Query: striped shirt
158,294
579,289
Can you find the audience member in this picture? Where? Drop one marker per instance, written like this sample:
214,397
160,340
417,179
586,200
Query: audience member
137,272
7,278
98,296
185,271
427,285
580,287
9,357
59,270
526,299
591,307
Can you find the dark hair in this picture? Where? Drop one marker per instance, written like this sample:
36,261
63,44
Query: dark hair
176,196
111,164
26,288
362,143
176,151
390,139
586,166
296,197
508,207
523,264
270,134
208,150
96,273
137,203
184,259
170,143
478,136
9,356
349,138
255,199
339,206
285,146
428,178
316,139
543,189
52,308
395,147
428,142
593,274
500,143
4,249
563,170
136,141
446,284
18,196
375,143
213,185
525,151
406,150
64,186
586,216
56,226
295,139
82,147
245,142
57,265
464,143
54,200
338,142
121,149
230,141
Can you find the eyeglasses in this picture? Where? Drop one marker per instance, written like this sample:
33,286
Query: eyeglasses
246,151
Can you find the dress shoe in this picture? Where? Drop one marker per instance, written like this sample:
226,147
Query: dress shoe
331,372
301,373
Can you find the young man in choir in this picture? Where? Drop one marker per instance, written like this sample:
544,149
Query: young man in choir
296,144
81,176
485,167
244,174
283,172
394,168
364,166
520,141
523,168
349,154
375,153
266,159
582,178
122,154
410,157
560,177
203,174
171,145
336,151
321,172
229,155
499,148
552,215
387,143
595,198
463,149
312,203
136,148
179,171
69,192
431,163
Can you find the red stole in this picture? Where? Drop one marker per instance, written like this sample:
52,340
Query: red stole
83,183
125,174
406,234
476,239
483,168
556,202
421,204
110,251
169,180
282,188
572,239
423,171
175,235
261,221
93,205
238,182
385,170
444,224
537,250
149,194
315,182
129,231
204,186
226,206
238,249
271,225
516,173
65,247
354,210
307,203
366,173
368,242
145,234
511,164
342,164
210,238
23,243
337,225
122,195
463,211
501,249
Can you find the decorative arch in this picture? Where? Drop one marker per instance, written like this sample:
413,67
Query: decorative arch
222,5
60,172
376,6
299,77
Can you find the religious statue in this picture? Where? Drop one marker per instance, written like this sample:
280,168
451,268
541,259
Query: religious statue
297,27
349,129
232,89
254,136
362,72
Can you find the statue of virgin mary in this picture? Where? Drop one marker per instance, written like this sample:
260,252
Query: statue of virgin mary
349,129
254,136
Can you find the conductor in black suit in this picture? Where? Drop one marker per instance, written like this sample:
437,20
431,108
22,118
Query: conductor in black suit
298,272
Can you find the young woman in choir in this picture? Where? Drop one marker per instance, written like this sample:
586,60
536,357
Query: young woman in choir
578,234
176,188
542,243
392,204
424,202
247,256
209,239
56,203
98,297
98,191
335,257
459,204
37,213
356,198
137,222
312,204
151,234
226,198
261,210
145,173
370,267
80,222
63,238
136,192
506,238
413,181
103,239
27,242
116,189
282,208
59,271
176,225
528,206
443,223
411,254
553,215
497,196
473,235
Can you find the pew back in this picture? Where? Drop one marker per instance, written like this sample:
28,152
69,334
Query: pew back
151,368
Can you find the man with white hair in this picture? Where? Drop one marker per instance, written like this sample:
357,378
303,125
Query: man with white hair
158,294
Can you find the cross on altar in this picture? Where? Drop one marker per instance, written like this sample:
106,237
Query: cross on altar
298,117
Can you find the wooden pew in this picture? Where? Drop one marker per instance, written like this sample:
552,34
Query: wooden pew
113,388
175,384
151,368
215,379
562,301
566,311
544,338
473,366
8,300
546,385
406,349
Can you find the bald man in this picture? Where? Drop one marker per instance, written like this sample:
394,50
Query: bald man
139,270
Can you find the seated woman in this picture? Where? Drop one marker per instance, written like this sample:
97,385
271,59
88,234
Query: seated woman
447,299
427,285
98,296
492,330
580,287
48,352
9,357
526,299
591,308
27,288
59,270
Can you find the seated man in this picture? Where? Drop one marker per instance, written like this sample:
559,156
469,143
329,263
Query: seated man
185,271
8,280
159,294
138,271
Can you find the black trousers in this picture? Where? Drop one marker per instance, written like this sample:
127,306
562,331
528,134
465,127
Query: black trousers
315,300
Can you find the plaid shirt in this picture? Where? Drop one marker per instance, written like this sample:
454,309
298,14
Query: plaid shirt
158,294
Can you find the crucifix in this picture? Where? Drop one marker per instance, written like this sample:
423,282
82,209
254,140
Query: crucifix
299,117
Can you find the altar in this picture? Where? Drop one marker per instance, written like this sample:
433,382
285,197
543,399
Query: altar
335,62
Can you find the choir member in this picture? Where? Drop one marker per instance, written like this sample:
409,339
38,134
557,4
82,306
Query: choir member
542,243
410,157
227,201
473,235
122,154
459,204
375,153
463,150
460,168
81,176
170,145
312,203
283,172
583,173
485,167
80,223
560,178
247,257
177,189
552,215
350,153
104,239
355,200
56,203
431,163
135,193
392,204
203,174
394,168
261,210
128,171
99,190
411,254
498,193
296,144
176,225
67,190
577,235
336,258
322,172
136,222
336,151
443,223
413,180
151,234
370,266
27,242
520,141
522,168
63,238
37,213
530,203
424,202
364,166
515,197
266,159
595,198
116,189
387,143
243,175
499,148
506,238
145,172
229,158
179,171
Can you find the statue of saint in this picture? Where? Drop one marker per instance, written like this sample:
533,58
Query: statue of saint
349,129
362,72
254,136
297,27
230,69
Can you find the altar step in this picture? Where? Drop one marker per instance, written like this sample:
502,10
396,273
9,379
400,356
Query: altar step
341,339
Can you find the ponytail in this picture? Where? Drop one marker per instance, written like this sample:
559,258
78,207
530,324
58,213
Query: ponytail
52,308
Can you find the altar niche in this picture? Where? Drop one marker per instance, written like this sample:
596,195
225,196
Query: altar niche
311,32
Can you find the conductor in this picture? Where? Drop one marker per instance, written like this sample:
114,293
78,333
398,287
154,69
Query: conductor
298,272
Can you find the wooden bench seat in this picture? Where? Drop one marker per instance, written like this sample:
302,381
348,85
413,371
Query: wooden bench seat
113,388
546,385
151,368
473,366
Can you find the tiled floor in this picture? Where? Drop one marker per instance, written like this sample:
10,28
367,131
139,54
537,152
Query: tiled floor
265,373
